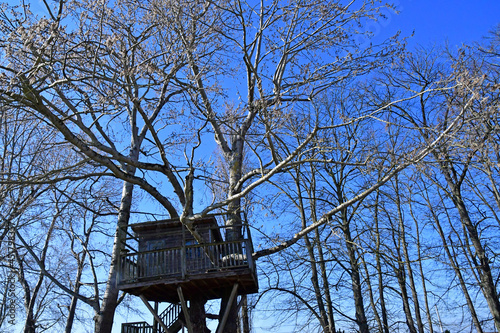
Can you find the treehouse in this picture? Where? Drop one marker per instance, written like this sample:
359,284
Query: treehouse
164,262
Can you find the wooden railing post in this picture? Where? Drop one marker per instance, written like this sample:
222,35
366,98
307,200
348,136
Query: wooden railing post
183,261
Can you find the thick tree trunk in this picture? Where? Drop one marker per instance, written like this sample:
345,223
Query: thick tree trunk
198,316
234,229
231,325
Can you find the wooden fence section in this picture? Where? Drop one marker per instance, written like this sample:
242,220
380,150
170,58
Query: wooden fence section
138,327
186,260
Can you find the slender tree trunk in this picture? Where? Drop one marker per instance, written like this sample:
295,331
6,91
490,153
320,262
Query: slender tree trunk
315,282
406,255
326,288
399,270
104,319
458,273
31,295
74,299
29,322
487,283
381,285
312,257
329,321
421,270
355,275
400,273
370,294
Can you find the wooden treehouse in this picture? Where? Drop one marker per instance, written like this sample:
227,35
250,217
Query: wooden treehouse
163,262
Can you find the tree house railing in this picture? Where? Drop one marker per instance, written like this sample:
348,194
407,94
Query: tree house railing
185,260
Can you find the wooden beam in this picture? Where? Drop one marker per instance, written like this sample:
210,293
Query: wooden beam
228,307
158,319
185,309
155,322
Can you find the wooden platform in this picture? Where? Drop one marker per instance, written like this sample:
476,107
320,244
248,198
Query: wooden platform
210,285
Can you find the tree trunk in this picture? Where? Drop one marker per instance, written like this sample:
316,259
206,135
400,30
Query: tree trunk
487,283
231,325
370,294
233,232
458,273
355,276
400,273
399,270
197,315
380,277
104,319
421,270
312,259
74,299
245,315
406,255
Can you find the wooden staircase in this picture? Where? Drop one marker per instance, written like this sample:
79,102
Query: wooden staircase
171,317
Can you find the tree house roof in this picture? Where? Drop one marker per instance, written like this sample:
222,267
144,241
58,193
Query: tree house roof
174,225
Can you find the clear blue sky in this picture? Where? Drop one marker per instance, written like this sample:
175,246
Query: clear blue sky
437,21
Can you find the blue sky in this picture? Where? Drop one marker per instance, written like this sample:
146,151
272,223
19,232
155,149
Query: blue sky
437,21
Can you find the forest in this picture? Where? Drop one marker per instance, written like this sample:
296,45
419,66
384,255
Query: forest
367,173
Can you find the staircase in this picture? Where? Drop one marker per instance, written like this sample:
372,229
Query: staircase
171,317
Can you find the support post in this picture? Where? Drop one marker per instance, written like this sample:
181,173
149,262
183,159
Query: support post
185,309
226,312
162,324
155,322
183,252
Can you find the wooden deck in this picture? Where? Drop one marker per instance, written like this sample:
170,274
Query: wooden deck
208,270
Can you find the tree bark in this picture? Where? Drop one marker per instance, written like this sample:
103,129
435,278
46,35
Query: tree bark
198,316
104,319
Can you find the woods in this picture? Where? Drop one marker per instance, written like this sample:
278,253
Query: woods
367,173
